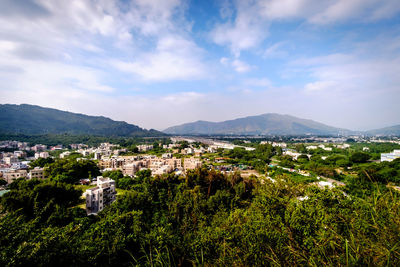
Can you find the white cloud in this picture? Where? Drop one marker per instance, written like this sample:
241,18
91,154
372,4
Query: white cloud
275,51
241,66
319,86
245,32
249,28
238,65
174,58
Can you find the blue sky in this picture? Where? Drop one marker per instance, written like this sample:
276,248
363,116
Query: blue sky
161,63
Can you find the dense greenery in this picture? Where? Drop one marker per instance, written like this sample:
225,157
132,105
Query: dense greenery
205,218
66,139
71,170
41,162
33,120
257,158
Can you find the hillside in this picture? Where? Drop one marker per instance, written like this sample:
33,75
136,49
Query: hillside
393,130
33,120
266,124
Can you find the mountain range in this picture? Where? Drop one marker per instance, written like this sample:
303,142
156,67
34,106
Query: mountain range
35,120
270,124
265,124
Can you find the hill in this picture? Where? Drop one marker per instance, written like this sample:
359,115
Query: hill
266,124
34,120
392,130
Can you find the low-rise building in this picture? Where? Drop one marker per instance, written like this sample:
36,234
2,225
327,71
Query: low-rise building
10,160
65,154
44,155
390,156
36,173
191,163
100,196
12,175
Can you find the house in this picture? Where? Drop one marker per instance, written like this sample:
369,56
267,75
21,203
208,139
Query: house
100,196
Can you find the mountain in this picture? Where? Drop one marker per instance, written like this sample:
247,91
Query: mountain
266,124
33,120
392,130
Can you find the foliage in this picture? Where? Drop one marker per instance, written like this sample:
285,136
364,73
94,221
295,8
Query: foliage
359,157
29,119
70,170
41,162
203,219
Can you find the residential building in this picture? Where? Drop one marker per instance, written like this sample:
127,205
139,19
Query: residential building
390,156
36,173
12,175
191,163
10,160
65,154
44,155
100,196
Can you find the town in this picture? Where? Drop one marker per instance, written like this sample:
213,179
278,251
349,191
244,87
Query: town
178,155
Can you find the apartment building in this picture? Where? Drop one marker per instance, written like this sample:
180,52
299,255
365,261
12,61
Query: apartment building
44,155
191,163
12,175
100,196
37,173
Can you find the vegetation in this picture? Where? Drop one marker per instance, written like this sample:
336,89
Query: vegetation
70,170
33,120
205,218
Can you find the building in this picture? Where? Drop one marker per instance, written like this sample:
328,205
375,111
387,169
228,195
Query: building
36,173
144,148
20,154
10,160
44,155
65,154
191,163
100,196
38,148
12,175
390,156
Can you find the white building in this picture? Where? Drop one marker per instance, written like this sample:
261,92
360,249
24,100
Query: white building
44,155
390,156
100,196
65,154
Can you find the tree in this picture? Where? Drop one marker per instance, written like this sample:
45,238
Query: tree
359,157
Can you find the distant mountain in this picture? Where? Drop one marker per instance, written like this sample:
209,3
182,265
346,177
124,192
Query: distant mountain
266,124
32,120
392,130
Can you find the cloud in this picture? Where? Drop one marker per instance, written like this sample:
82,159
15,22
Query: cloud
319,86
250,27
263,82
174,58
238,65
275,51
246,31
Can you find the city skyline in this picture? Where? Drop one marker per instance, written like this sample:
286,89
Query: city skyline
162,63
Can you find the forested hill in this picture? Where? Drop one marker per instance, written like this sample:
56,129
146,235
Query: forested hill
393,130
33,120
264,124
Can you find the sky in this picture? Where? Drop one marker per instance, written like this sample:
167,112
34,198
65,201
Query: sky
161,63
